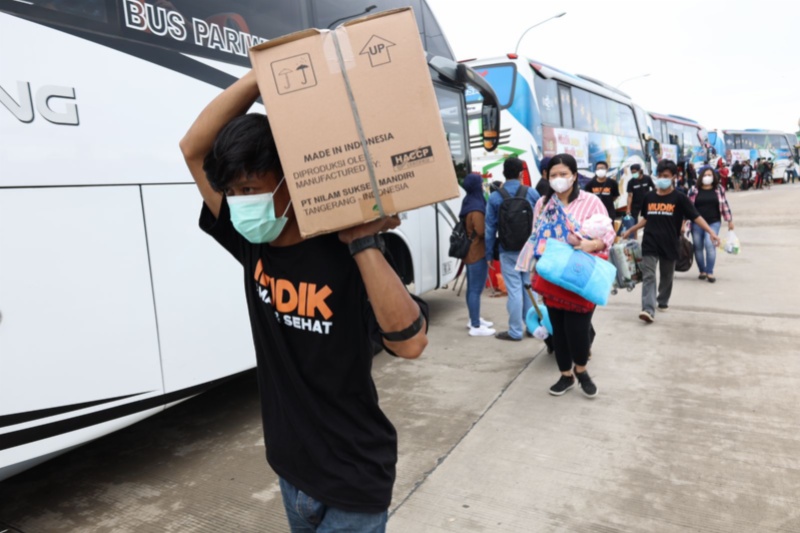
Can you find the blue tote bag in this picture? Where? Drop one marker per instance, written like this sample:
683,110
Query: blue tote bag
578,272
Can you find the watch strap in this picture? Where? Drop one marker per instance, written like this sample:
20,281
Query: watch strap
365,243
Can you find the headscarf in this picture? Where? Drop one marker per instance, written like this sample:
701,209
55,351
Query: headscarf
474,200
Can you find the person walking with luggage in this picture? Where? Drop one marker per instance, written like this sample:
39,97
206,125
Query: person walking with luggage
604,188
711,203
663,214
572,326
318,308
509,219
473,213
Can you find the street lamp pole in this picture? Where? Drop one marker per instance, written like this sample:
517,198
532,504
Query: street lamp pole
537,24
633,78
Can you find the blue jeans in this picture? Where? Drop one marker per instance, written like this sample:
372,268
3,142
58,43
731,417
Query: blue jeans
306,514
518,301
702,243
476,281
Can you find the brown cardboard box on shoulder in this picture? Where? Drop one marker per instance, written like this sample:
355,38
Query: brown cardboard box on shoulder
353,110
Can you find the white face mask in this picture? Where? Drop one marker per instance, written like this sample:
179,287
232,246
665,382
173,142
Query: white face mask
561,185
708,180
600,172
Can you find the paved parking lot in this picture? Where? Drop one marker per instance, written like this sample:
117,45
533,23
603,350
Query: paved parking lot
695,427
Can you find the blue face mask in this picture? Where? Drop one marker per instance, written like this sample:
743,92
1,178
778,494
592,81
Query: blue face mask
635,175
254,217
664,183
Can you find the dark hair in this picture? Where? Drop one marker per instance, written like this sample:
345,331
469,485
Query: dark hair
601,163
714,173
569,162
512,168
635,167
543,164
244,146
666,164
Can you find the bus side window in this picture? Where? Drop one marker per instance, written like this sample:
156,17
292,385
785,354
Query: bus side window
581,109
88,9
566,105
547,96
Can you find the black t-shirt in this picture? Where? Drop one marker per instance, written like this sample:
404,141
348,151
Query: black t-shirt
707,204
313,330
665,216
639,187
607,191
542,187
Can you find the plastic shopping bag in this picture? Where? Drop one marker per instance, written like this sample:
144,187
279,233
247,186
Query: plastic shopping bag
731,244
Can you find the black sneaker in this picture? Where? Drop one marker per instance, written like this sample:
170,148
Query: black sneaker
551,349
564,384
506,336
588,387
663,308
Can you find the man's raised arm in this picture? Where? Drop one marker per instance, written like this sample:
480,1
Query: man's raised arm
199,140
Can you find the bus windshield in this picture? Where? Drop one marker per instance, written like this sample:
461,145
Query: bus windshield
546,112
501,78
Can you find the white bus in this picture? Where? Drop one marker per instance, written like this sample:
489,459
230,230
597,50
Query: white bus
546,111
112,301
752,144
682,140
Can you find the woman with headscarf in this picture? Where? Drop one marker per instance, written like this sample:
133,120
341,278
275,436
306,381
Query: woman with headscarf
473,213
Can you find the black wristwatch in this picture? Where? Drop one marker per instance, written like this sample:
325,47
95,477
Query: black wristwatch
365,243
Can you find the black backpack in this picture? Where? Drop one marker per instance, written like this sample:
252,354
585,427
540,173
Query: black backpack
459,241
515,221
685,255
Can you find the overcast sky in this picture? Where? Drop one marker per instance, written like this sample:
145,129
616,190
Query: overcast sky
728,64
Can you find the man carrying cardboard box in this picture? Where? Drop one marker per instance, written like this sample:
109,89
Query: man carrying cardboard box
316,307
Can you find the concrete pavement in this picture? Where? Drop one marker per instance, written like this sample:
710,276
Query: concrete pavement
695,427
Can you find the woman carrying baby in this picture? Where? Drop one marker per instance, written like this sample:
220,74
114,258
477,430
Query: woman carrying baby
571,316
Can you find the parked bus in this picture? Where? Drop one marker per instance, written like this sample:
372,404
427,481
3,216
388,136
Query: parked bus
751,144
113,304
682,140
545,111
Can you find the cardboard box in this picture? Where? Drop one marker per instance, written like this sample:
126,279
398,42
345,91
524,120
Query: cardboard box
353,110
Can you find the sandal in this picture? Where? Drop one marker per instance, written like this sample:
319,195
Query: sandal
702,276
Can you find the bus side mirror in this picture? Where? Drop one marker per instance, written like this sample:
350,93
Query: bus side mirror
490,116
654,147
490,110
